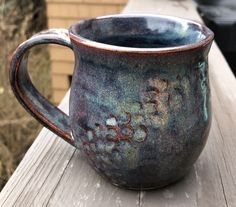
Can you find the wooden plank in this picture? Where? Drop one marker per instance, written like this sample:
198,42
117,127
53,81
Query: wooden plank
61,53
68,10
212,182
60,81
62,22
62,67
113,2
58,95
29,184
54,174
93,189
100,10
80,10
45,162
180,8
107,1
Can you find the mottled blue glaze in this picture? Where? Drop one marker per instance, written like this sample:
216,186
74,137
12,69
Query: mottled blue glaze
140,32
140,99
46,113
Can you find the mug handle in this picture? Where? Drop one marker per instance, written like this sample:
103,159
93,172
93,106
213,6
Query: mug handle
41,109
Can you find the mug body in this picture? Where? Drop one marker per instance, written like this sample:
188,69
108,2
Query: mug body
140,99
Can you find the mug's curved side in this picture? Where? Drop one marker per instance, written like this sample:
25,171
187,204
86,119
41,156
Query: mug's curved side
140,113
145,118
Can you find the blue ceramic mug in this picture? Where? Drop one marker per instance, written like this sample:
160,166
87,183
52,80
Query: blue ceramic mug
140,100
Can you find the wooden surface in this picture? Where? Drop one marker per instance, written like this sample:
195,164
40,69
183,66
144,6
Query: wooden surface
54,174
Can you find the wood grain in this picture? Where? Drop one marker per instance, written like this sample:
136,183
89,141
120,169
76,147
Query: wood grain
118,2
55,174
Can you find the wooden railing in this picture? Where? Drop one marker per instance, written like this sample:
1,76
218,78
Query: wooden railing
53,173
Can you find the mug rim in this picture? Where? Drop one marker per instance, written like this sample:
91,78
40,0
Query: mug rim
73,34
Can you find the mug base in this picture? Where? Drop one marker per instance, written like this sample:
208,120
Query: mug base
149,186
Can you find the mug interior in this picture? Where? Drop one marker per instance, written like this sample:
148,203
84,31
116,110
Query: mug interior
138,31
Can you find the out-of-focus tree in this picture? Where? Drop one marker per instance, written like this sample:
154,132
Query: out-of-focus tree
18,21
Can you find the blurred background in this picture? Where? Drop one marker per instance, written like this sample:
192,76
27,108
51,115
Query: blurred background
51,66
220,16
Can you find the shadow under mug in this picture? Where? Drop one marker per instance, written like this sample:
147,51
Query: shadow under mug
139,106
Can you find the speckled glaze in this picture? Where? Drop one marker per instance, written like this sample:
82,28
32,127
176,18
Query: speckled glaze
140,99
